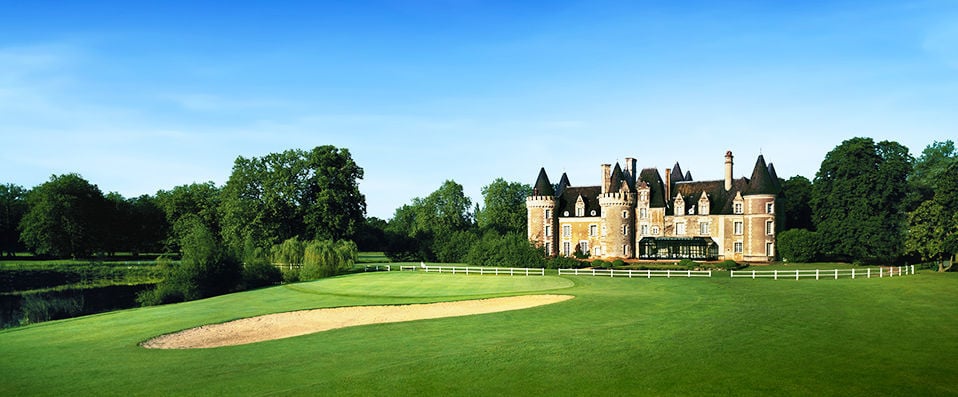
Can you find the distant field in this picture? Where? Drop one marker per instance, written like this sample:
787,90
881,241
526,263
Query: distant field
617,337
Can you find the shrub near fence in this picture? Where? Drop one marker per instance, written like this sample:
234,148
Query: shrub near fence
496,271
819,274
635,273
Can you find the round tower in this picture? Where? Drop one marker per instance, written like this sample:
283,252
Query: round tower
618,211
543,222
541,215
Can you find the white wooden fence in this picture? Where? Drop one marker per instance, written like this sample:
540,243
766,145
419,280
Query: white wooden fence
635,273
819,274
496,271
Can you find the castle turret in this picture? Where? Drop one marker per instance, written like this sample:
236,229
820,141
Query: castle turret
760,200
618,212
542,217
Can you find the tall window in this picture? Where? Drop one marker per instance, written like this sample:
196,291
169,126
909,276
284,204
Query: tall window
680,229
769,208
548,248
769,249
604,231
738,247
644,196
625,214
566,230
593,231
584,247
769,228
655,230
548,214
737,228
704,228
625,230
643,213
566,248
548,231
645,230
625,250
580,211
596,251
738,208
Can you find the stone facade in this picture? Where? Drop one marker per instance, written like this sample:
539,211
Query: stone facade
637,214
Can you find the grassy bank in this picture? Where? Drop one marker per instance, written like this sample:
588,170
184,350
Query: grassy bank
619,336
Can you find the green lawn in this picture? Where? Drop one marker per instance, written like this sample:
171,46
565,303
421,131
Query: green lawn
617,337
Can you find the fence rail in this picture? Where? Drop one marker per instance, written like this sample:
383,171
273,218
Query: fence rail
496,271
635,273
818,274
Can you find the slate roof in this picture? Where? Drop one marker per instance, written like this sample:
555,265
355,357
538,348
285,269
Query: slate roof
651,177
677,175
616,179
761,181
688,176
771,171
590,194
543,187
563,184
720,200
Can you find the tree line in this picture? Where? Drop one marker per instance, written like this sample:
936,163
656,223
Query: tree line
873,202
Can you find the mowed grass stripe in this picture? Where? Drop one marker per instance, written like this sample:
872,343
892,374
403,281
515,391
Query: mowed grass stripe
619,336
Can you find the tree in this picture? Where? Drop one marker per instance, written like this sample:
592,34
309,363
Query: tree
64,218
289,253
13,206
372,235
797,193
933,226
311,195
857,200
933,234
418,231
930,168
185,204
505,207
324,258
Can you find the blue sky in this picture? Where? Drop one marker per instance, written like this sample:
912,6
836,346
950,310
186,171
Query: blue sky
143,96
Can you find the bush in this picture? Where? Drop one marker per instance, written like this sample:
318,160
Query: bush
510,250
730,265
799,245
618,263
260,273
563,262
600,264
689,264
290,275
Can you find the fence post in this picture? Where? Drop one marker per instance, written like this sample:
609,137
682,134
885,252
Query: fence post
881,272
527,271
853,273
510,271
796,274
753,274
630,273
836,274
816,274
611,272
731,273
775,274
912,269
710,274
690,273
668,273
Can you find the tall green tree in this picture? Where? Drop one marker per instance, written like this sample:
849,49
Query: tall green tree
64,218
186,204
933,226
930,168
312,195
857,200
797,194
423,228
13,206
504,208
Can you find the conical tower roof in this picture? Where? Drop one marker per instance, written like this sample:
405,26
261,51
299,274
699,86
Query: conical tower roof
761,181
543,187
563,184
617,178
677,175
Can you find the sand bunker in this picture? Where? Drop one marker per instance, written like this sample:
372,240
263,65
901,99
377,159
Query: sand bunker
286,325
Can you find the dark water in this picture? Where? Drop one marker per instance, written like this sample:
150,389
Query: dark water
17,309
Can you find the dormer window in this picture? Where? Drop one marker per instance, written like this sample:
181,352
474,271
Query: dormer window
580,212
739,208
580,207
679,206
704,204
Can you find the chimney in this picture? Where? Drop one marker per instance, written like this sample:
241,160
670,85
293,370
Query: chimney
668,185
728,170
631,170
606,178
